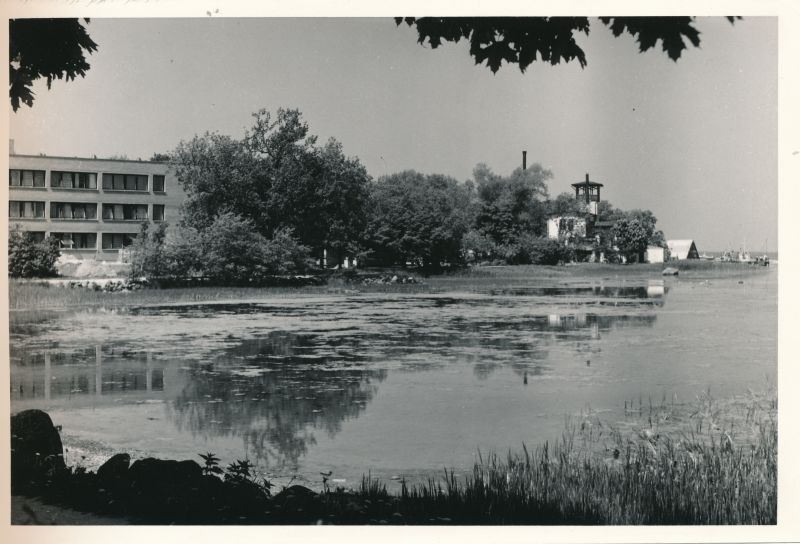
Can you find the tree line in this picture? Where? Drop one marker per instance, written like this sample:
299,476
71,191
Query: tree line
276,201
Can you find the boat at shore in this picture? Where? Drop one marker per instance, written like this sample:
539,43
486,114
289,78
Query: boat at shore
743,257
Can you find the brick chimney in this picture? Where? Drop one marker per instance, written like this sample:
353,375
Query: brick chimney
524,160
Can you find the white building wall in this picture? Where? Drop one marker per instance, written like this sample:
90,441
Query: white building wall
655,254
552,228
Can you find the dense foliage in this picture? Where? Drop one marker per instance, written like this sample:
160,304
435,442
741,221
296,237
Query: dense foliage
524,40
417,218
566,204
510,211
48,48
28,258
631,236
634,230
230,251
266,203
276,178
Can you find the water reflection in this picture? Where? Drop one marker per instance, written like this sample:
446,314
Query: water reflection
276,390
601,295
92,371
272,393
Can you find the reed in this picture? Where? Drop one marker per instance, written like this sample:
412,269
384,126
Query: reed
41,296
661,472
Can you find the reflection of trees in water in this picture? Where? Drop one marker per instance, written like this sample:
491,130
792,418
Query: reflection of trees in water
272,392
529,354
595,291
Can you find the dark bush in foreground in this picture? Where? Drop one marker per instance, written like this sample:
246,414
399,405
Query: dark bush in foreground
28,258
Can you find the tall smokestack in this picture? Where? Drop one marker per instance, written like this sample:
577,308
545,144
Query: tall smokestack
524,160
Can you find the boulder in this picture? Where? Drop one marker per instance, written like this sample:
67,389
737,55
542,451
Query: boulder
153,472
115,469
37,455
167,490
296,499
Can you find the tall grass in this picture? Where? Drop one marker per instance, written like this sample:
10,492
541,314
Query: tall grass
43,296
598,474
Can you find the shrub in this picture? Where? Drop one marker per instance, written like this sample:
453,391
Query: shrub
283,254
28,258
482,245
228,251
534,250
147,252
183,253
232,250
531,249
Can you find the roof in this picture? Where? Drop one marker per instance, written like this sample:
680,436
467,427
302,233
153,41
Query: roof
677,245
61,157
587,183
680,248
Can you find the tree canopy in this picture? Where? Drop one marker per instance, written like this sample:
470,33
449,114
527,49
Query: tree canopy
511,205
566,204
276,178
48,48
524,40
631,237
417,218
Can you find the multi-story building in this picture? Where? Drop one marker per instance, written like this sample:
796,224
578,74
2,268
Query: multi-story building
94,207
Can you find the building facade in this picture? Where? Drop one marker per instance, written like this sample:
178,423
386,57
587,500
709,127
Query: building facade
583,231
94,207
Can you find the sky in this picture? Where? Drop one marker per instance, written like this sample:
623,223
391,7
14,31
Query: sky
695,141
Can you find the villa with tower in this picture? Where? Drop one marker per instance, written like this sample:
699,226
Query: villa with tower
583,231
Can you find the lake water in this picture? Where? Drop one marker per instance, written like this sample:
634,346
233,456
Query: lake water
392,384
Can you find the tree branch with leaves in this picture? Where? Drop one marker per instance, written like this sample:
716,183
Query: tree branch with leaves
525,40
45,48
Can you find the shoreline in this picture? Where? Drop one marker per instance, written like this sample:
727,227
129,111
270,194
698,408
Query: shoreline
738,432
670,428
29,295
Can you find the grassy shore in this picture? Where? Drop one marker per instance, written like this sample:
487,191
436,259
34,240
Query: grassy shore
709,462
40,295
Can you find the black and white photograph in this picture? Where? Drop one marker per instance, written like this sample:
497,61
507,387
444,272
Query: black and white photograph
413,269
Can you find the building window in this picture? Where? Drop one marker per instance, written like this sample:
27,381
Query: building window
76,240
124,182
124,212
37,235
158,183
73,180
158,212
117,240
25,210
26,178
73,210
